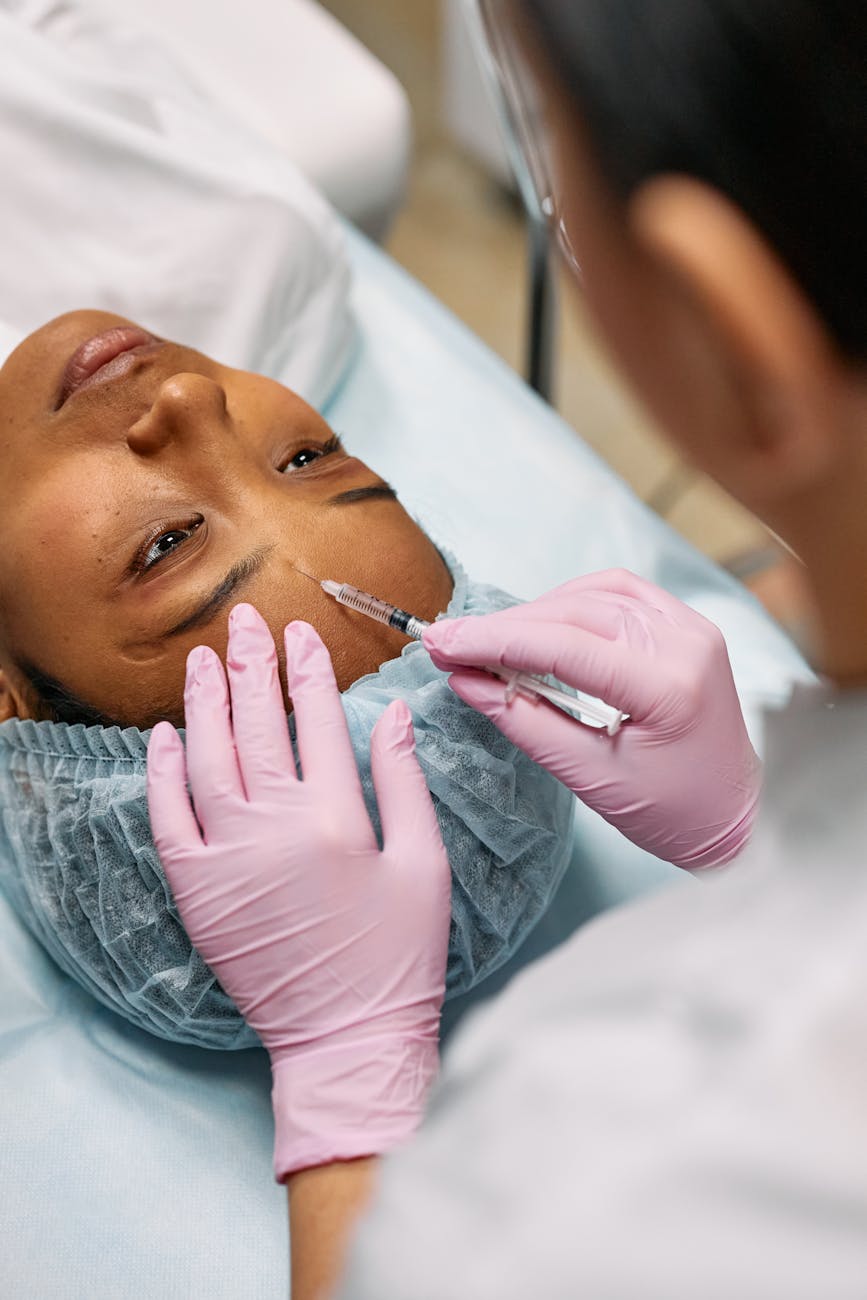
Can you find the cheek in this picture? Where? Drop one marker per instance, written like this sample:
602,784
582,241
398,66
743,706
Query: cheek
377,548
262,407
382,551
51,585
62,618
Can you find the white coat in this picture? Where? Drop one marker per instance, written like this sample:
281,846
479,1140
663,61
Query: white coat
673,1105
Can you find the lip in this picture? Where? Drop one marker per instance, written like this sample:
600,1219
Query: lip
102,357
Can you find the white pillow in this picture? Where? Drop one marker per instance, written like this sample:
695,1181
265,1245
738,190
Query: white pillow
126,188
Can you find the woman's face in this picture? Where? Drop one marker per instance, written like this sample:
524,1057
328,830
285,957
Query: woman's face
139,505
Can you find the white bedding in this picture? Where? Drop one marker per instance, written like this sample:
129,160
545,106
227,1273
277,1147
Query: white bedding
126,187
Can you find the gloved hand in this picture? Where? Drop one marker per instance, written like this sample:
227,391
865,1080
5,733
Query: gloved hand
334,950
681,778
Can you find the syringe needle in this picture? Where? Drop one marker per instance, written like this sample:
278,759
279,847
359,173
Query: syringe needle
305,574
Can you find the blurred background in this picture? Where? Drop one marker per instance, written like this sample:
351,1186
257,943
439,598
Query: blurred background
461,231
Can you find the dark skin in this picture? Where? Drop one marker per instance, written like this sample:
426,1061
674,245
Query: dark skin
170,482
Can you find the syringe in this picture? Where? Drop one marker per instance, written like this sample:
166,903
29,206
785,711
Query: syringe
364,603
584,708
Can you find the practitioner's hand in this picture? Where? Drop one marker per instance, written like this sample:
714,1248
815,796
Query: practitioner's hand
681,778
333,950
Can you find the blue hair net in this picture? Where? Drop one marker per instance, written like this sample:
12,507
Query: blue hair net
78,863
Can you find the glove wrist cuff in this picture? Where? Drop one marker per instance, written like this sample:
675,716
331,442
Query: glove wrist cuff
348,1100
730,846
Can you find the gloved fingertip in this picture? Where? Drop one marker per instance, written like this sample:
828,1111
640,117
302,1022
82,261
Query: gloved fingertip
301,637
164,745
163,737
246,624
443,637
478,689
250,639
245,615
307,657
401,717
204,670
394,728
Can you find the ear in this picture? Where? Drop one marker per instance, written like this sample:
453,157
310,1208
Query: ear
778,349
11,701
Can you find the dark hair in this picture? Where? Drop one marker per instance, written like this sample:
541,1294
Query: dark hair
57,703
764,99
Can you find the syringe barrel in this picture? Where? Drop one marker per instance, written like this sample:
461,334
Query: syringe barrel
364,603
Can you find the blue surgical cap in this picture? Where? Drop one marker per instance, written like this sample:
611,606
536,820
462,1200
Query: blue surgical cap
78,863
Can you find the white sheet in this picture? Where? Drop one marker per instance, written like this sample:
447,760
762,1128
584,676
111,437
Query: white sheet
127,188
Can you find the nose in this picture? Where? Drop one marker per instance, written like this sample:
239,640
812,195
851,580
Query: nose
187,406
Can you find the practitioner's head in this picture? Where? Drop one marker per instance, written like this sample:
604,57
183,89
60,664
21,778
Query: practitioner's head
137,507
710,157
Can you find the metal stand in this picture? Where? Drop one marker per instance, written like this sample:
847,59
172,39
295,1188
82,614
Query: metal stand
542,313
541,317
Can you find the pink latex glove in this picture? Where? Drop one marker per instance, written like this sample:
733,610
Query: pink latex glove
333,950
681,778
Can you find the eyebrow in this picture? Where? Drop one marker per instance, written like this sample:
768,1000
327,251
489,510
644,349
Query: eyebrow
374,492
217,599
